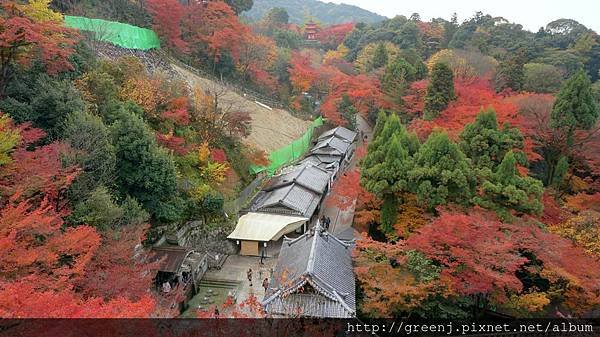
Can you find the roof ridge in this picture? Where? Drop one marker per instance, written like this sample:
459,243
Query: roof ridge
310,266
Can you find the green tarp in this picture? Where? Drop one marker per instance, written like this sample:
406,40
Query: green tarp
289,153
120,34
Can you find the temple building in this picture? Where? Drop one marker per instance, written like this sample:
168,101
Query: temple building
313,278
311,31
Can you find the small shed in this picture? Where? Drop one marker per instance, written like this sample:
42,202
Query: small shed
256,229
179,265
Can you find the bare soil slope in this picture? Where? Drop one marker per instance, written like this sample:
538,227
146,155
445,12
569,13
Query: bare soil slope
271,129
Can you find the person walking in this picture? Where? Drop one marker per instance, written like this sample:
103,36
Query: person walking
265,284
262,256
249,273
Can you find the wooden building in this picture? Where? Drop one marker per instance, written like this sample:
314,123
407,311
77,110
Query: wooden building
313,278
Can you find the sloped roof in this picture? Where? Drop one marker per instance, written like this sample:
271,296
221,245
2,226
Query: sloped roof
325,162
171,257
291,199
306,175
331,146
339,132
316,260
265,227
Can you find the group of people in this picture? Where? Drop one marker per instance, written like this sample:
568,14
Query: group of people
265,282
325,222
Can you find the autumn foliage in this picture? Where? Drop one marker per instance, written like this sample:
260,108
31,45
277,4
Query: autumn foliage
43,259
24,39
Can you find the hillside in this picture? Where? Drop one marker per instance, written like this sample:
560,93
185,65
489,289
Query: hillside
270,129
326,13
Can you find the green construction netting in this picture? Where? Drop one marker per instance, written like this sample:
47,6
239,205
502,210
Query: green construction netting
120,34
289,153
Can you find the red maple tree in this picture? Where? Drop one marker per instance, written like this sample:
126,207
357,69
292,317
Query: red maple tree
167,18
23,40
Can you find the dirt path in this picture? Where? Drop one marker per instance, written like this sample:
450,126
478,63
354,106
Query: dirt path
271,129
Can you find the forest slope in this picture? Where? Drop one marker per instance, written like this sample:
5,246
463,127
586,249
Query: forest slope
324,12
271,129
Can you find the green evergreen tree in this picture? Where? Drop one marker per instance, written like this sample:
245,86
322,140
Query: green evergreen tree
397,77
101,210
144,170
485,143
384,169
575,106
46,104
380,123
508,190
411,56
380,56
511,73
441,173
93,152
440,91
348,112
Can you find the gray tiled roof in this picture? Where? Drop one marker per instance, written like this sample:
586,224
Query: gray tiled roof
329,163
331,146
291,199
313,277
307,175
339,132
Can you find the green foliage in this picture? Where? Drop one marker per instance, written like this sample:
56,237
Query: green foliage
441,173
100,87
389,214
596,92
542,78
380,57
92,151
125,11
240,5
301,10
562,167
511,73
440,91
277,16
46,103
9,138
100,210
566,60
287,39
348,112
575,106
144,170
380,123
384,169
397,77
409,37
508,190
485,143
422,268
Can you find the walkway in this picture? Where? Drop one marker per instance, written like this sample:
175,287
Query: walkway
236,267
